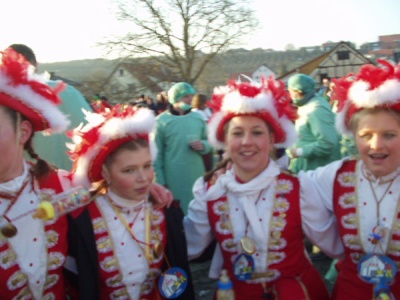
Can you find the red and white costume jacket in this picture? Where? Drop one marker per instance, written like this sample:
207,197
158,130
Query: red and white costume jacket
268,211
31,262
124,271
356,213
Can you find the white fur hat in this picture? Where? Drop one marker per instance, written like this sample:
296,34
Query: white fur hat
267,100
373,86
22,90
104,133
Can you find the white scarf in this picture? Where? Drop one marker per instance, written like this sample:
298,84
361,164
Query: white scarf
14,185
247,193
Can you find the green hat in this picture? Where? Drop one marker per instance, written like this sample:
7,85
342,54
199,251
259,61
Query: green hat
179,90
302,82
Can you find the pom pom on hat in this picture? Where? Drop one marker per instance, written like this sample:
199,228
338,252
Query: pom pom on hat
103,134
179,90
22,90
269,101
373,86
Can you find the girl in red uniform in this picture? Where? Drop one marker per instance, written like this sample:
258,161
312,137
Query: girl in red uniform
32,251
254,210
125,247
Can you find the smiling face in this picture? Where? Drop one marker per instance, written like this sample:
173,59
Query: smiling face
249,143
130,172
377,136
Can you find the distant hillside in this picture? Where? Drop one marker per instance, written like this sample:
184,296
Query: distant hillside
217,73
79,70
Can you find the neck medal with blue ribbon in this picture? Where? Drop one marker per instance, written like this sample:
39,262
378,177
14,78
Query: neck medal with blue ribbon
173,283
243,266
377,269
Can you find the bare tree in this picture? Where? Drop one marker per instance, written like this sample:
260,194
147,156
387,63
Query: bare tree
184,35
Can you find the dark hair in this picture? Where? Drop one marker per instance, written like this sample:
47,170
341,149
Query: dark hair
26,52
42,167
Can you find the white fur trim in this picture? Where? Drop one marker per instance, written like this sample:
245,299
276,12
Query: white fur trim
285,123
291,134
212,127
340,120
361,96
142,122
235,102
387,93
58,122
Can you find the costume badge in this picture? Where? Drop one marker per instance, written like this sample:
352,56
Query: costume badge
243,266
379,270
173,283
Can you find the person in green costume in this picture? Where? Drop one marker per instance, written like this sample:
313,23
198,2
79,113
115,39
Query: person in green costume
318,140
181,139
53,147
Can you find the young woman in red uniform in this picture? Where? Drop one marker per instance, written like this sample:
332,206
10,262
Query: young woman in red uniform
256,210
124,246
362,192
32,251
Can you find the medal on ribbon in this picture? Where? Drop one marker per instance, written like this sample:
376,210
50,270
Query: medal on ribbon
379,270
243,266
248,245
173,283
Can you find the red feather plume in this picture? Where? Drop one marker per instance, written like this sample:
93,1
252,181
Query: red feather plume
16,67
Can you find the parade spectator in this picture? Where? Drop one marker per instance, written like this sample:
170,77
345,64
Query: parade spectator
325,90
151,104
318,139
162,102
100,104
199,105
181,138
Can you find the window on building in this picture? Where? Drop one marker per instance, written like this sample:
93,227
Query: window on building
342,55
121,72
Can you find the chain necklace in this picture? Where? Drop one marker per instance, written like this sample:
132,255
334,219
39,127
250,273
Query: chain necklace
150,251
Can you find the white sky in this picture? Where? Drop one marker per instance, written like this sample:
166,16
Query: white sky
68,30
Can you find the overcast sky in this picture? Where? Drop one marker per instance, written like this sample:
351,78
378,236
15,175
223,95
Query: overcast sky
68,30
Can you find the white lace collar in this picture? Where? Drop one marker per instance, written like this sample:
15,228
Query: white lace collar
379,180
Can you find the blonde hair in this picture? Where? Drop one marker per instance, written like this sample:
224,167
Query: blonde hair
355,119
199,101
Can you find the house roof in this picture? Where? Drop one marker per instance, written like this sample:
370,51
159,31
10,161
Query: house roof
328,63
67,81
237,76
149,75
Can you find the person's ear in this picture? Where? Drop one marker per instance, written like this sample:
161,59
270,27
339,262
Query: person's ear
106,174
26,131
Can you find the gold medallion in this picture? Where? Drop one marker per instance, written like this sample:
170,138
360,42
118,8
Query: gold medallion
9,230
248,245
157,250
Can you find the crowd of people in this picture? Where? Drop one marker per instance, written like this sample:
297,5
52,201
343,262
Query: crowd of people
152,197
